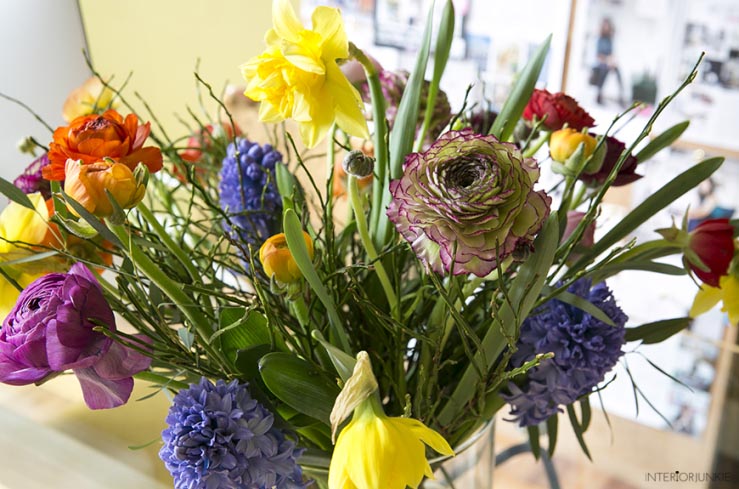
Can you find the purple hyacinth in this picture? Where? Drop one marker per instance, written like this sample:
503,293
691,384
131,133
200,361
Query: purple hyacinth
249,193
585,349
31,181
220,437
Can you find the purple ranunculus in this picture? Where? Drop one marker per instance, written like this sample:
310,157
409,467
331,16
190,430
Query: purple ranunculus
31,180
468,203
51,329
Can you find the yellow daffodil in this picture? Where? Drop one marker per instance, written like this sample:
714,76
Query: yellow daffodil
727,293
277,260
21,227
298,77
375,451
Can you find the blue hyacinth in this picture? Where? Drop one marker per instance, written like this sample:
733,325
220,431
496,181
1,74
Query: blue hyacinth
220,438
249,194
585,349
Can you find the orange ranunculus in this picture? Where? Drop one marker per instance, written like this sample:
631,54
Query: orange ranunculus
87,185
277,260
93,137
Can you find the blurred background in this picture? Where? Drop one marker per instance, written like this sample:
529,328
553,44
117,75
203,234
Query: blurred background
605,53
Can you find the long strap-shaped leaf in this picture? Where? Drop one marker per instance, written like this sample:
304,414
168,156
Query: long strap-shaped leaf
404,130
513,107
653,204
299,251
523,292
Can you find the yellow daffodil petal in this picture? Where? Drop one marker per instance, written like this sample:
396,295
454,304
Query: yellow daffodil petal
730,291
347,103
285,21
375,451
706,298
328,22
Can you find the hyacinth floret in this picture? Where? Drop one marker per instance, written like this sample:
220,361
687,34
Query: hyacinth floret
219,437
248,192
585,350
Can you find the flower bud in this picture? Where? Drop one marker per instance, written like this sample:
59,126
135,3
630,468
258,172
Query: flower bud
358,164
89,185
277,260
564,143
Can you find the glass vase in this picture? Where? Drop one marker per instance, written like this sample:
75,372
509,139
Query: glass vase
471,468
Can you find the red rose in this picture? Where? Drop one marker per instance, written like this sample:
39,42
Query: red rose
626,174
559,109
712,242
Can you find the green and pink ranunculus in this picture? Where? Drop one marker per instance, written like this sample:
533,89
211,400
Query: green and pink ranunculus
468,203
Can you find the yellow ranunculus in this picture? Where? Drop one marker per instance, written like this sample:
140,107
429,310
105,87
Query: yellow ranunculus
277,260
375,451
727,293
563,143
87,184
297,77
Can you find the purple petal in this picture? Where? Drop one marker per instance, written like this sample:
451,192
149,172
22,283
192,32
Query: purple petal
121,362
102,393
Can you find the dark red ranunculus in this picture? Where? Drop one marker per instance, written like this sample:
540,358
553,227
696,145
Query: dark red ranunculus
559,109
626,175
712,241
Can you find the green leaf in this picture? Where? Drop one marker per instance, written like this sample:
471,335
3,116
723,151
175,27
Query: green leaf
15,194
586,412
578,430
343,362
239,333
534,440
299,384
662,141
93,221
441,56
296,244
285,185
81,229
520,94
552,427
653,204
657,331
584,305
611,269
247,360
28,259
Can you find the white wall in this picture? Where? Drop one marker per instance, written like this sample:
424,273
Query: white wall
41,61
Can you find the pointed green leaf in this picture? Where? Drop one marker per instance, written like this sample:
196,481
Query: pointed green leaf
299,251
15,194
657,331
653,204
584,305
520,94
662,141
441,56
552,427
299,384
578,430
534,440
93,221
343,362
247,360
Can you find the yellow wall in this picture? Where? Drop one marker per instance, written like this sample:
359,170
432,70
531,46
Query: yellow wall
160,41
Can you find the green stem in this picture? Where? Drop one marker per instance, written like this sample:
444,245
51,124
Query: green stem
176,250
171,289
161,380
379,137
531,151
364,235
300,309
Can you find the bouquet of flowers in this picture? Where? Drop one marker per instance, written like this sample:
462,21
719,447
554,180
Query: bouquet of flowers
303,348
